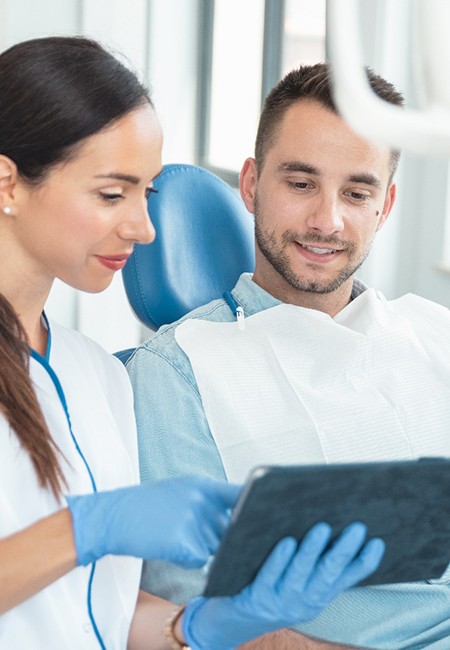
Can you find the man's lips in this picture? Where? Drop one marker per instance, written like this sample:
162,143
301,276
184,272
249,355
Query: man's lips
318,253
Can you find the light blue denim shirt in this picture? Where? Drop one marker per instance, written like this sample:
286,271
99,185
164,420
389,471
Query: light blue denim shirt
175,440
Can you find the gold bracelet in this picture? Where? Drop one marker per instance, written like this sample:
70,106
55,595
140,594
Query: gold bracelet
169,630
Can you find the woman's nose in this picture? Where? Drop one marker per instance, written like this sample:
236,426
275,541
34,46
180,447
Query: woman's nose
139,228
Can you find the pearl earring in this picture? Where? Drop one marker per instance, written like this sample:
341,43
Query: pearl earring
7,209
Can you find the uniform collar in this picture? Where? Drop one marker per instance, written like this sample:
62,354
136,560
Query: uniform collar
36,355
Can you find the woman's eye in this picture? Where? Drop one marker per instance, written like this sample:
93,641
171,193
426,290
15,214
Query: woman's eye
150,190
111,198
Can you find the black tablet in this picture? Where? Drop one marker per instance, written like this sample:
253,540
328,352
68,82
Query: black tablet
406,503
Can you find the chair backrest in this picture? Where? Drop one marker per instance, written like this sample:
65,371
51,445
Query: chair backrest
204,241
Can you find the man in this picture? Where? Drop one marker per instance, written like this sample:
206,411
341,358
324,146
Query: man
319,194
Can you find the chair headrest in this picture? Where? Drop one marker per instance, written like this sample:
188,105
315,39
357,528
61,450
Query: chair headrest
204,241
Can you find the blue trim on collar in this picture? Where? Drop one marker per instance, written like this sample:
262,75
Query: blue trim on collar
49,336
33,352
59,389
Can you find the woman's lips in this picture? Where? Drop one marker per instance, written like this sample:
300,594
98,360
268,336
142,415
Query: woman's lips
113,262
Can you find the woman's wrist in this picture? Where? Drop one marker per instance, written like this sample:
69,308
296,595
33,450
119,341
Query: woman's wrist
190,621
173,630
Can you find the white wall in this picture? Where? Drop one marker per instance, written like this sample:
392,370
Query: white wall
23,19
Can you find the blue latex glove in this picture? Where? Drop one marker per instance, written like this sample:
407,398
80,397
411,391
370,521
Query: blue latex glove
177,520
294,585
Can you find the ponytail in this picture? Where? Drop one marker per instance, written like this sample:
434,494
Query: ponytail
19,403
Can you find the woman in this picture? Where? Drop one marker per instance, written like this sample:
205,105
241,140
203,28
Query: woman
80,146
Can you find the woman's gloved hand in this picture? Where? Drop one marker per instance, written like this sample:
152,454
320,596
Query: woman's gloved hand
294,585
177,520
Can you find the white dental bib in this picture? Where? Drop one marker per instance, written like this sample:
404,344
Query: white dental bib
296,386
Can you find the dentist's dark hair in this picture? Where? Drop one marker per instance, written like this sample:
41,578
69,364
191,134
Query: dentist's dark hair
54,93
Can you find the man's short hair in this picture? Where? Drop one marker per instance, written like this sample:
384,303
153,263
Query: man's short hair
311,82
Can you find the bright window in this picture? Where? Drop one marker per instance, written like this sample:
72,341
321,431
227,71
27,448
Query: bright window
253,44
235,81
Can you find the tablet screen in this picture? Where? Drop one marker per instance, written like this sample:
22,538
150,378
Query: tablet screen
406,503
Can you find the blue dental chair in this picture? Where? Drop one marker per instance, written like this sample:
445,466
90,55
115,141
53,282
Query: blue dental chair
204,241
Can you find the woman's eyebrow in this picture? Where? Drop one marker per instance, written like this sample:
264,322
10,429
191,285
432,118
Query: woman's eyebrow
120,177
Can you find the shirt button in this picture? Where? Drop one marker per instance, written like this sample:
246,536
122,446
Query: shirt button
87,627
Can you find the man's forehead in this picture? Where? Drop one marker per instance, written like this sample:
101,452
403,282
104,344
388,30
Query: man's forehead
311,135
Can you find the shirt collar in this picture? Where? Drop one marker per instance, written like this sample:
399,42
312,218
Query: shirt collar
253,298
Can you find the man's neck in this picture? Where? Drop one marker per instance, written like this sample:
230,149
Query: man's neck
329,303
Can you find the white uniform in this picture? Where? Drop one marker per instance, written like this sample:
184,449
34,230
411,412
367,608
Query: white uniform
92,422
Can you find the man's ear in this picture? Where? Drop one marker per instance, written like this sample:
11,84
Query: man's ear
8,181
388,205
247,183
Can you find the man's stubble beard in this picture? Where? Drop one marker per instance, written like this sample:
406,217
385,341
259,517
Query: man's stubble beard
279,260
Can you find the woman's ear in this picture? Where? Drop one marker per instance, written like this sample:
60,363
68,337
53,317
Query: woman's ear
8,181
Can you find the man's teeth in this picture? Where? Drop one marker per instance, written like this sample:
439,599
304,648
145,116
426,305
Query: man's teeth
319,251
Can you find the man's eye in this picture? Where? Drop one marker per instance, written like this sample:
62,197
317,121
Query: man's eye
358,196
298,185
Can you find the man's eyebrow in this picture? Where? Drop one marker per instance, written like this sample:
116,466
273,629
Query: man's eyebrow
120,177
297,166
367,179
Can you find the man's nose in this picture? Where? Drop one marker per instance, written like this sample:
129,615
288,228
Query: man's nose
325,216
